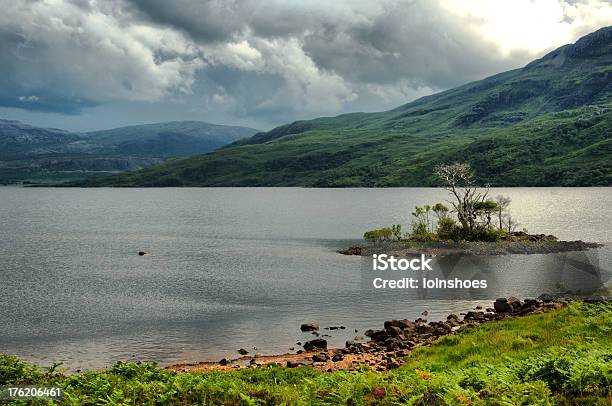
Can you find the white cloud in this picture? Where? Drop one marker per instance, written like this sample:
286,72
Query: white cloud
532,25
95,53
274,59
31,98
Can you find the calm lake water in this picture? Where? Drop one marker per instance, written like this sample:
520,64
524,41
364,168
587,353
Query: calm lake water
231,268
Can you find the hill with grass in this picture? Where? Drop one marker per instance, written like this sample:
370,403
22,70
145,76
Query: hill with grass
29,153
548,123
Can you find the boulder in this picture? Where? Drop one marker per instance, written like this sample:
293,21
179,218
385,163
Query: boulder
354,250
529,303
501,305
545,297
317,343
337,357
224,361
393,331
309,327
320,357
477,316
403,324
376,335
515,304
242,351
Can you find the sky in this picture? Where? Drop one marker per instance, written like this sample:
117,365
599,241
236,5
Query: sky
89,64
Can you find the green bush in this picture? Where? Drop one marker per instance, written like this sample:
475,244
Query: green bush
571,372
483,234
448,229
382,234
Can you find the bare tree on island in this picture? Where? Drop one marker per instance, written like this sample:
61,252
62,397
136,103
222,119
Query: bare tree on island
458,179
473,209
502,205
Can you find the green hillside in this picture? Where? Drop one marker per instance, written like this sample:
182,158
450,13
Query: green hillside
47,155
548,123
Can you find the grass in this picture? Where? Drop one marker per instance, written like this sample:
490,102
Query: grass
562,357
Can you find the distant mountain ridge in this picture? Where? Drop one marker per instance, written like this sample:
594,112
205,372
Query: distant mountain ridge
46,154
548,123
169,139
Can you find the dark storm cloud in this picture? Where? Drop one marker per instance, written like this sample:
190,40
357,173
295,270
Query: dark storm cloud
266,60
205,21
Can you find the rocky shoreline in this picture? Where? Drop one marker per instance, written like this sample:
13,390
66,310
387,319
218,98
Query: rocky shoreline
514,243
387,347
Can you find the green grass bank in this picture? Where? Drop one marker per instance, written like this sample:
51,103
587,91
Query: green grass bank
561,357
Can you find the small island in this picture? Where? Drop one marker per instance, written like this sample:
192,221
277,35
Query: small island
471,224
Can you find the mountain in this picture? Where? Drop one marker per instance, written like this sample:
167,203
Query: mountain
18,139
29,153
548,123
171,139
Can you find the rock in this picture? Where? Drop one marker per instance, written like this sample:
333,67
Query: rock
320,357
515,304
317,343
141,253
393,331
242,351
291,348
424,329
376,335
309,327
337,357
477,316
596,299
356,331
403,324
299,351
425,313
501,305
291,364
546,297
452,317
529,303
354,250
224,361
393,364
527,310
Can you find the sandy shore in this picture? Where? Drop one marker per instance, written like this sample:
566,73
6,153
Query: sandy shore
386,348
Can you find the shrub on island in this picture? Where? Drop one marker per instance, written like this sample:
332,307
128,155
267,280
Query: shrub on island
473,216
